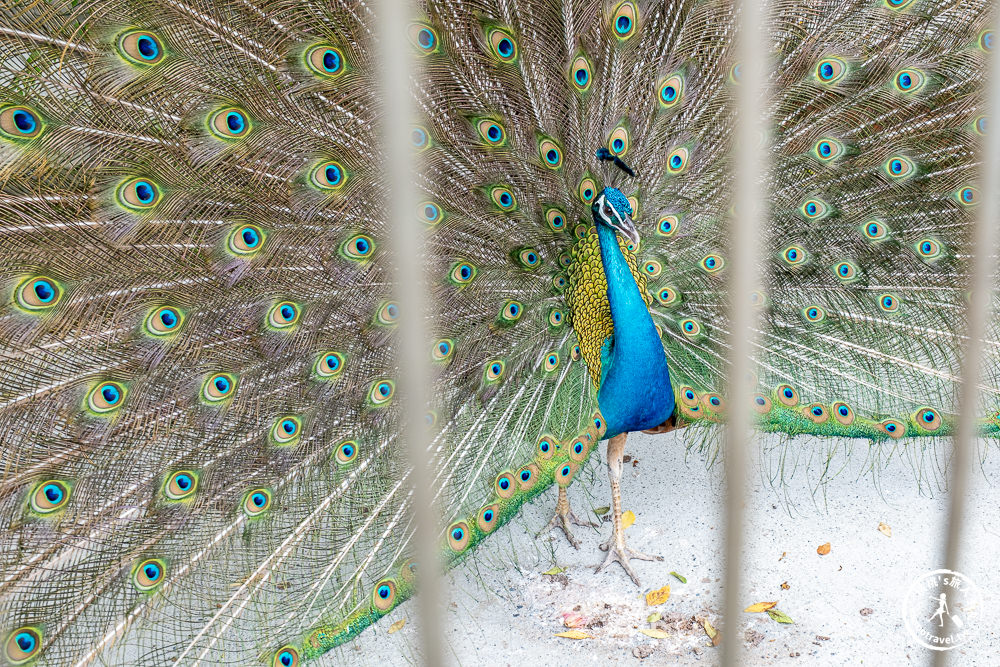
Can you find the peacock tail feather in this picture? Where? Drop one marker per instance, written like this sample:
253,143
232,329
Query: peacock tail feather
201,457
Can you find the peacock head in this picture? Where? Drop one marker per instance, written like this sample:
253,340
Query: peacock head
611,208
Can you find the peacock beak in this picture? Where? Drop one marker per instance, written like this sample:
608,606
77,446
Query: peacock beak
626,228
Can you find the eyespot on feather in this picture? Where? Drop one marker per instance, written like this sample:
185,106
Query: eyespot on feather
329,364
618,142
325,60
546,447
381,392
106,397
180,485
875,231
138,194
762,404
424,38
503,198
899,167
690,328
49,496
429,213
712,263
38,293
284,315
830,70
551,362
163,321
846,271
550,153
140,47
564,474
347,451
329,176
246,240
218,387
256,502
229,123
149,574
487,518
668,296
814,314
503,46
888,303
286,656
384,595
491,132
555,219
20,123
505,485
286,430
494,370
667,225
909,81
814,209
587,190
928,249
579,74
458,536
677,160
388,313
670,91
927,419
894,428
787,395
688,396
967,196
511,311
359,248
624,20
794,255
527,477
22,645
816,413
828,149
843,413
578,450
462,273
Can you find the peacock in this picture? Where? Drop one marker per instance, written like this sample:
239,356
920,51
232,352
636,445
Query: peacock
202,460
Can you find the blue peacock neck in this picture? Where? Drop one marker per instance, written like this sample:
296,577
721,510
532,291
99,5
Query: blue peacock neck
635,393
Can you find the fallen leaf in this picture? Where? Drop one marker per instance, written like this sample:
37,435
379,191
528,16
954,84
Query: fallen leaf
574,634
823,549
712,633
658,596
555,570
628,518
761,606
785,586
601,511
654,617
779,616
884,529
655,633
397,626
572,620
679,578
783,554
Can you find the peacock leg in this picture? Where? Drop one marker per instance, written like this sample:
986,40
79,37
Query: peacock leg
615,546
563,517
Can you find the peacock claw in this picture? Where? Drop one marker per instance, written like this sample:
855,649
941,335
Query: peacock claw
622,555
563,517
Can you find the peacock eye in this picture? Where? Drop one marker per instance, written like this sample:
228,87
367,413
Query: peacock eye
607,210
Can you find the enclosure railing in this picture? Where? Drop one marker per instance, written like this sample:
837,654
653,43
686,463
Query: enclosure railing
746,257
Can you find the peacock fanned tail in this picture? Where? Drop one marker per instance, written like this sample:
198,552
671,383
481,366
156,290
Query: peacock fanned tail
201,459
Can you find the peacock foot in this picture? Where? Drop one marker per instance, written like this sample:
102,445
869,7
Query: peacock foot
622,554
564,517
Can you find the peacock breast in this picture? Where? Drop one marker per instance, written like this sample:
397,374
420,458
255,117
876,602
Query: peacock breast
587,298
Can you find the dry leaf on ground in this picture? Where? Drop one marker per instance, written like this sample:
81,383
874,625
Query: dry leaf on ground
884,529
758,607
823,549
574,634
655,633
712,633
658,596
628,518
397,626
555,570
779,616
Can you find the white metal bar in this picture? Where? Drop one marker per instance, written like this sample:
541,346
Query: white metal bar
406,246
745,242
982,272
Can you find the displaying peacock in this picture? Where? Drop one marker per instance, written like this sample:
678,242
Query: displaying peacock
201,459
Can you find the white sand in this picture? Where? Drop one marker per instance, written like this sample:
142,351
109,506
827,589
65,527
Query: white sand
505,612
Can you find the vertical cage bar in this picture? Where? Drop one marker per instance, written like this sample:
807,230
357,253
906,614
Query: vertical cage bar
744,277
398,67
980,307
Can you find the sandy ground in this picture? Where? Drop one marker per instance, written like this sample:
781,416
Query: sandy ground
846,606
